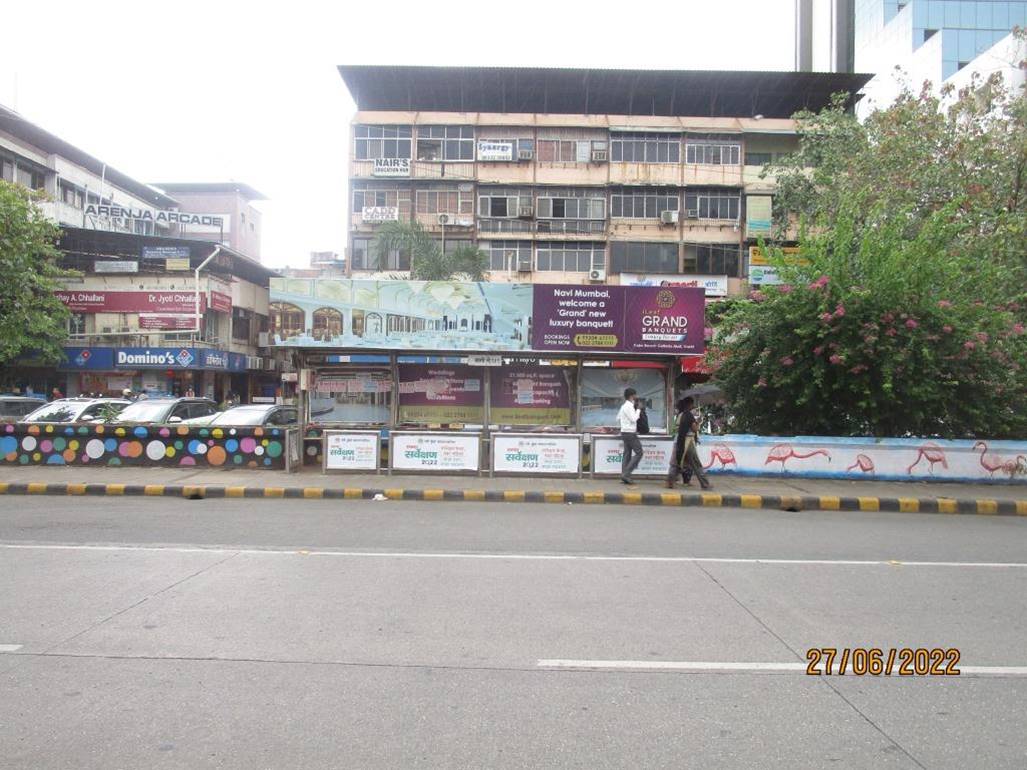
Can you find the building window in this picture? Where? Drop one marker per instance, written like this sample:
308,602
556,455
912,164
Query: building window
364,256
30,178
504,202
72,196
76,323
570,256
568,150
508,255
445,202
759,158
373,195
572,206
713,153
713,258
453,143
642,202
372,142
6,169
712,204
645,148
643,257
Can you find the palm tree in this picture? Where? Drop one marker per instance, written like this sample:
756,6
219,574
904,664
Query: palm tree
427,260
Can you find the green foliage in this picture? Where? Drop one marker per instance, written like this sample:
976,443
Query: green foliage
33,322
906,314
427,261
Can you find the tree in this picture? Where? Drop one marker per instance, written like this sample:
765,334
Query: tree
905,312
33,322
427,260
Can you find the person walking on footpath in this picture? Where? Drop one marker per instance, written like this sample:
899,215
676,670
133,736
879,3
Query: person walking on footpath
688,456
631,445
676,465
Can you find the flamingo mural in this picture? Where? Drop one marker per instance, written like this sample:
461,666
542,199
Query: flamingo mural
992,462
782,453
863,462
723,454
933,454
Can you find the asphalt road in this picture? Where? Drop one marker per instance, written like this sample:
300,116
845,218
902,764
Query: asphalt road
168,633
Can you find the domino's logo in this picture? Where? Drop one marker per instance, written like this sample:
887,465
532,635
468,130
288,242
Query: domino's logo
184,357
83,358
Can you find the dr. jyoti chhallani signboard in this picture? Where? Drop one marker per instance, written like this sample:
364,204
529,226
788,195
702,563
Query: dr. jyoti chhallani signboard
449,315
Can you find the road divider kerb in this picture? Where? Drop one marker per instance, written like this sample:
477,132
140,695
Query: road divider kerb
980,507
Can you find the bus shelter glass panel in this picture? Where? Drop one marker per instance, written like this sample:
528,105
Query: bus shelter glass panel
602,394
532,395
441,393
360,397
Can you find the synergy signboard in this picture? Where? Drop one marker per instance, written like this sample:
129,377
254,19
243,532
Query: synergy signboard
490,151
493,317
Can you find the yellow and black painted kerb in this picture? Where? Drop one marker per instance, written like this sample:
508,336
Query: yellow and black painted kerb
677,499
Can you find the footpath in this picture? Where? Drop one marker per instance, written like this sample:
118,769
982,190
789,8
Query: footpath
792,493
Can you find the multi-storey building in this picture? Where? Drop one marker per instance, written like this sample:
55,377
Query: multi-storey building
151,310
575,176
238,225
945,42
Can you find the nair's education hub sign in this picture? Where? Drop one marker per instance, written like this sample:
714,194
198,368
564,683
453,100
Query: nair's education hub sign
391,167
491,317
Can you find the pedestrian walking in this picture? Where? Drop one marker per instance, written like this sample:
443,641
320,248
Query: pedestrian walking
631,445
686,454
56,395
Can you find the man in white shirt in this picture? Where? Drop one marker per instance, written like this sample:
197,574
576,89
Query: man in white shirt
632,447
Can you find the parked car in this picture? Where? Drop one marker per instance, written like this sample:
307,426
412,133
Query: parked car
77,410
16,407
251,414
155,411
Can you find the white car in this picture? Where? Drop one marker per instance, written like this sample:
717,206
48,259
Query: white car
76,410
251,414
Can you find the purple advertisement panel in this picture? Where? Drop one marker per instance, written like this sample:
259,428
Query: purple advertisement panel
430,393
664,319
626,319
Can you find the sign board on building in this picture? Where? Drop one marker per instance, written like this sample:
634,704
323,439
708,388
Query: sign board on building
489,151
715,285
159,216
180,321
391,167
83,301
435,452
758,215
220,301
764,276
116,266
165,252
536,454
351,450
178,358
498,317
607,453
175,264
370,214
97,359
758,257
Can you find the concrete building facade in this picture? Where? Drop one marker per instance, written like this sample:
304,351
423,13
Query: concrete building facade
575,176
231,202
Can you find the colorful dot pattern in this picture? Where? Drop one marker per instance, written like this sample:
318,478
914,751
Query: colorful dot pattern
22,444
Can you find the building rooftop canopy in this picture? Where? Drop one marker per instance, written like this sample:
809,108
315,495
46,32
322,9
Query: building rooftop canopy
674,93
249,193
15,124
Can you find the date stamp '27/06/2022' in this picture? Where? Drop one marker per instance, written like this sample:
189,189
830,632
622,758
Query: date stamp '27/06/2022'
875,661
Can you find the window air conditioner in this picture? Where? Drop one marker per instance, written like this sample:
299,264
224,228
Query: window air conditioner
525,154
445,219
692,214
524,266
525,212
668,217
599,156
597,275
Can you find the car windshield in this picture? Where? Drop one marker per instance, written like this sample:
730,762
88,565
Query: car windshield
144,411
58,411
241,417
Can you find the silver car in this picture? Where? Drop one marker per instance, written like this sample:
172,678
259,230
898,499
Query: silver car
77,410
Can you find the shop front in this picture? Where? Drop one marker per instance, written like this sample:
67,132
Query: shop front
483,359
155,371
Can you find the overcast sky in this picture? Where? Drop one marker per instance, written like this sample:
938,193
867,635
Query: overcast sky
248,91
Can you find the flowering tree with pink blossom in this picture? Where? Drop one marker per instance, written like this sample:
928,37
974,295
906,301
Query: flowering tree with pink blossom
906,312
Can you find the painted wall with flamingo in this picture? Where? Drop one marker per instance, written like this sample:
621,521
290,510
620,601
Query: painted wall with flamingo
866,458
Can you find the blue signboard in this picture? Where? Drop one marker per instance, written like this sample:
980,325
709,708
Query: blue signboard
96,359
176,358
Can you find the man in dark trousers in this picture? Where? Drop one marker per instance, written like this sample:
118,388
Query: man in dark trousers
627,417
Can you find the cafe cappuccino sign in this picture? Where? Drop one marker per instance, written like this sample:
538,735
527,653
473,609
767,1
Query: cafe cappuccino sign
159,216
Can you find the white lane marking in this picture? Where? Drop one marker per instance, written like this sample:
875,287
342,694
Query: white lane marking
516,556
736,666
9,647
